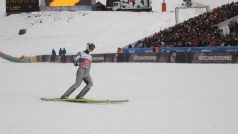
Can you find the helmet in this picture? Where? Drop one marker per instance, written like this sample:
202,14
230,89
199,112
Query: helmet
90,45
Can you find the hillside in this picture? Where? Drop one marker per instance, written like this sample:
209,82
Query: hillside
72,30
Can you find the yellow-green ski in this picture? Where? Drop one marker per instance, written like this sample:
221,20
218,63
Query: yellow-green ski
84,100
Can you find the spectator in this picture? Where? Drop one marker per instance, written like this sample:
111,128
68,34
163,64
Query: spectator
187,3
63,57
130,46
53,55
63,52
60,52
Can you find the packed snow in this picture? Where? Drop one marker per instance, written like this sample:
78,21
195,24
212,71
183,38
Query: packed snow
163,98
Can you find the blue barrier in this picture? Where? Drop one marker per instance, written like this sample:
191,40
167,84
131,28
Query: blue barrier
199,49
182,49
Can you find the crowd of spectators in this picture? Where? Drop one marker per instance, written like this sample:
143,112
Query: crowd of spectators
201,31
232,38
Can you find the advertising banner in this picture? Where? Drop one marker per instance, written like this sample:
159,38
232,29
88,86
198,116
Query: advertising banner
173,57
138,50
104,57
143,57
231,57
205,57
18,6
67,3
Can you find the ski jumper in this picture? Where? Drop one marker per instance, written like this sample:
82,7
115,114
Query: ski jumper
83,60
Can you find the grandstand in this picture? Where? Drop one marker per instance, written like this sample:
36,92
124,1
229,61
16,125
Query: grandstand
200,31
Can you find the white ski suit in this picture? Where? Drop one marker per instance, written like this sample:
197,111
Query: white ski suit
83,60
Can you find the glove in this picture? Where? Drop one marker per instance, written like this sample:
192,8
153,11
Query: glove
76,59
76,64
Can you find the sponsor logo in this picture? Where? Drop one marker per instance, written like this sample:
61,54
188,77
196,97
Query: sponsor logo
144,58
134,3
16,6
215,58
173,57
98,58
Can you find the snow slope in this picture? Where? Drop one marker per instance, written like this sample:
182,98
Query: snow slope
72,30
47,30
164,98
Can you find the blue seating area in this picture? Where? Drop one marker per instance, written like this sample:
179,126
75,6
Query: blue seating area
182,49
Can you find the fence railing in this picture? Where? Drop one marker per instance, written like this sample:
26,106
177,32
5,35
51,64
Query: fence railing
163,55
